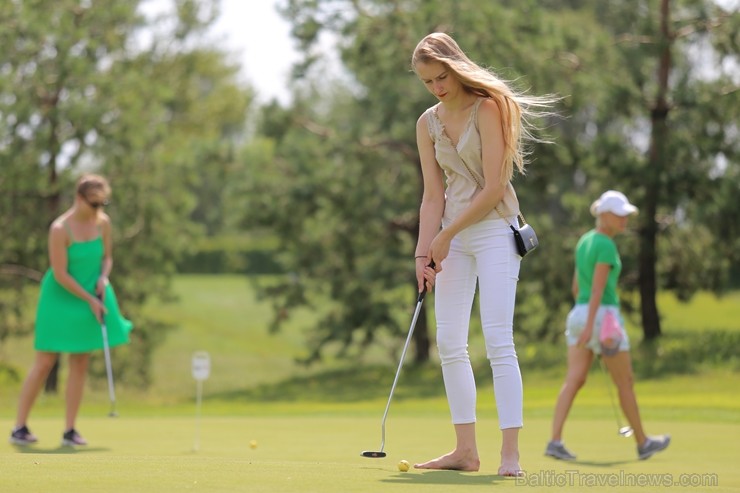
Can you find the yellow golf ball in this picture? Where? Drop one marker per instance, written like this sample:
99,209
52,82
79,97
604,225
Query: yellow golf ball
253,444
403,466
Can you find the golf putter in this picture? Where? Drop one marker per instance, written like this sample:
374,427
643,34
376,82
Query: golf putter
108,370
419,301
625,431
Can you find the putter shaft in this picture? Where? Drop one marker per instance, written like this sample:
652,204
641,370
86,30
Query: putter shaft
419,302
625,431
398,371
109,370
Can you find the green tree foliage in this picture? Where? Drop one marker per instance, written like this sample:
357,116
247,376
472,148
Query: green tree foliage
675,141
92,86
341,185
337,218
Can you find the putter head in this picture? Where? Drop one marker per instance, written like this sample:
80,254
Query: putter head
373,455
112,414
626,431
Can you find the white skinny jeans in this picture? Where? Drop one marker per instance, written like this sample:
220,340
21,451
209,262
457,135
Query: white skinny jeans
484,252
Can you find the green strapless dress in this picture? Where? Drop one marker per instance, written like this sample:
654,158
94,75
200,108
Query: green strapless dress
64,322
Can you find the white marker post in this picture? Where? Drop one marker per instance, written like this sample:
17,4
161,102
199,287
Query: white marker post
201,371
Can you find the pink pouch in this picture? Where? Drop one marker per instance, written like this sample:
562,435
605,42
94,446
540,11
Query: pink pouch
611,334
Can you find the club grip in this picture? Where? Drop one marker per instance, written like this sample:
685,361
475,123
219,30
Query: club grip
423,292
102,314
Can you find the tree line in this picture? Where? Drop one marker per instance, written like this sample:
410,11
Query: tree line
330,184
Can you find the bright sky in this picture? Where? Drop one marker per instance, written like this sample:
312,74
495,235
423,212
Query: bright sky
260,39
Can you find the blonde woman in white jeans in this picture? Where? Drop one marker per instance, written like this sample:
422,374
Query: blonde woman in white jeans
469,144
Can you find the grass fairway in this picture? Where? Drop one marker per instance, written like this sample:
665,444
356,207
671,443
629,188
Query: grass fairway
312,424
322,454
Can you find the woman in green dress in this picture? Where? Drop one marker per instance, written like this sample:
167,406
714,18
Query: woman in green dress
75,299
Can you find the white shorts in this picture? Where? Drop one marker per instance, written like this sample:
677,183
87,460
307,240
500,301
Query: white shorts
576,322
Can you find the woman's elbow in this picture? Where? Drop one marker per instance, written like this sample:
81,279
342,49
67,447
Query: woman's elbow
493,193
60,275
432,200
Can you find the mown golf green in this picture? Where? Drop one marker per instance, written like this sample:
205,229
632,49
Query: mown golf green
310,425
321,453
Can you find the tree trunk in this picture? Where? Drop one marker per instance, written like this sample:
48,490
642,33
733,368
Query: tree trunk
647,259
421,337
54,198
421,333
656,164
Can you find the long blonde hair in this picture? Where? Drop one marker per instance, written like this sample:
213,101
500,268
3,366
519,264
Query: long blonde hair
516,108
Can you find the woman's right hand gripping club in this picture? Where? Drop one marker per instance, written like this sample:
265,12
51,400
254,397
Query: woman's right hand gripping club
426,273
97,307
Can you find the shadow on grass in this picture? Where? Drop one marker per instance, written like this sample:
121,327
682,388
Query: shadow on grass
60,450
456,478
607,464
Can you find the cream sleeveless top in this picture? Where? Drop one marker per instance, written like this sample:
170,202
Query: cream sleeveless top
461,188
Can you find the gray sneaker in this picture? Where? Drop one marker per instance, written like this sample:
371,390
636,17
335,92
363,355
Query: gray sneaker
558,450
71,438
22,436
653,445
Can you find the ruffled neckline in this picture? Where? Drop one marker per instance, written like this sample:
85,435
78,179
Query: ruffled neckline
465,130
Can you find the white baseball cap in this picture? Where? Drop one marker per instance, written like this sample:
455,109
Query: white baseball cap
614,202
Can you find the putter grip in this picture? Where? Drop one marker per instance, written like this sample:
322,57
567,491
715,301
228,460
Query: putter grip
100,298
424,290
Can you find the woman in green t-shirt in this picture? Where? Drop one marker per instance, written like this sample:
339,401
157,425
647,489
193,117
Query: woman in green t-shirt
596,312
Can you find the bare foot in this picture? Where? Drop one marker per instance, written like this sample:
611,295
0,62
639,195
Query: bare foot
455,461
510,468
